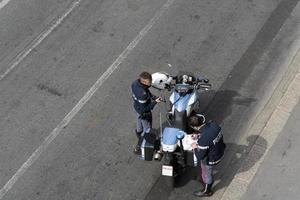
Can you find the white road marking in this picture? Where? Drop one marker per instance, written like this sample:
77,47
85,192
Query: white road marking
3,3
35,155
39,39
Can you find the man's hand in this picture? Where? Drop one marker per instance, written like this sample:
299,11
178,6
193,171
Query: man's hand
159,99
194,146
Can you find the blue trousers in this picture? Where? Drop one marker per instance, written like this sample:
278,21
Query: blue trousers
143,125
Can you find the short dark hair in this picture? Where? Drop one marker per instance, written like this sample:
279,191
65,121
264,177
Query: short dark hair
146,75
196,120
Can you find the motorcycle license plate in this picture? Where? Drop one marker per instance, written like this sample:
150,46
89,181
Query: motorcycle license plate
167,170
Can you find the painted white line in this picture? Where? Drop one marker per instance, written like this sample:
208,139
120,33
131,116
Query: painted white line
3,3
35,155
39,39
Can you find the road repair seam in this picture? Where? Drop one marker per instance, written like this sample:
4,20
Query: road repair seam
35,155
269,132
39,39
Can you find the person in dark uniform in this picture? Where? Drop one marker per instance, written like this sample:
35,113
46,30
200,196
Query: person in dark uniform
143,104
209,150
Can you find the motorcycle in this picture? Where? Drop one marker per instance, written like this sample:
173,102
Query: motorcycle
175,140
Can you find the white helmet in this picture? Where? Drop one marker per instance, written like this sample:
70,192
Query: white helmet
160,80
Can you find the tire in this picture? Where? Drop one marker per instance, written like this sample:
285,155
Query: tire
169,181
169,161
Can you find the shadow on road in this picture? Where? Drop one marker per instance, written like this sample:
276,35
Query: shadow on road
230,166
220,106
237,155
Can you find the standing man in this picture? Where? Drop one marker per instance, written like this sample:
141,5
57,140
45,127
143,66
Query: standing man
144,102
209,150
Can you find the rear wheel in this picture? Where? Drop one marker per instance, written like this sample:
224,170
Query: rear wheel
169,181
169,175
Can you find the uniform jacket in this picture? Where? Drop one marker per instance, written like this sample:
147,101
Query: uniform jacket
210,145
143,99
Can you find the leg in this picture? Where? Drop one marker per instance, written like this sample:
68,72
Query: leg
138,132
143,127
139,125
146,124
207,177
206,173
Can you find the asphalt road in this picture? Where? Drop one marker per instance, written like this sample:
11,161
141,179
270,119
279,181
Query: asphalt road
278,176
237,44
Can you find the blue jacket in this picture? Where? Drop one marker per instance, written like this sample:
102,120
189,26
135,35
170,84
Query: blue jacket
144,101
210,145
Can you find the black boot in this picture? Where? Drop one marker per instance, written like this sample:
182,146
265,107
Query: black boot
137,149
138,134
205,192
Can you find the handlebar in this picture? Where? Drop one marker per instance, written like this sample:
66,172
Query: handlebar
204,86
198,85
195,83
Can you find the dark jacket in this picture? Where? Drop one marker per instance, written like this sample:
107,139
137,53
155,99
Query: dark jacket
210,145
144,101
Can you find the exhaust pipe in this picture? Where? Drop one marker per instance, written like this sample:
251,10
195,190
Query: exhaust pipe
158,156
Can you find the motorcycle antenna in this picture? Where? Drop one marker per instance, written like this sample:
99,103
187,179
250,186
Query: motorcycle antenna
160,120
163,94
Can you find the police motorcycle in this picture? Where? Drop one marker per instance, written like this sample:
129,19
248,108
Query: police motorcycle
175,142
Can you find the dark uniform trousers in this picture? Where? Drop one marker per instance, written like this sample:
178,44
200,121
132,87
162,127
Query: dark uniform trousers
210,150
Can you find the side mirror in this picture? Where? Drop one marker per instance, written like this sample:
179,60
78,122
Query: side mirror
204,86
206,81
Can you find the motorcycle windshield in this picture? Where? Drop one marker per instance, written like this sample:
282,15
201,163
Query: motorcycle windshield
181,101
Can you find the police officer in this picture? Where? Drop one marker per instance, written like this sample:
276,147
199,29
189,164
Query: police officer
144,102
209,150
